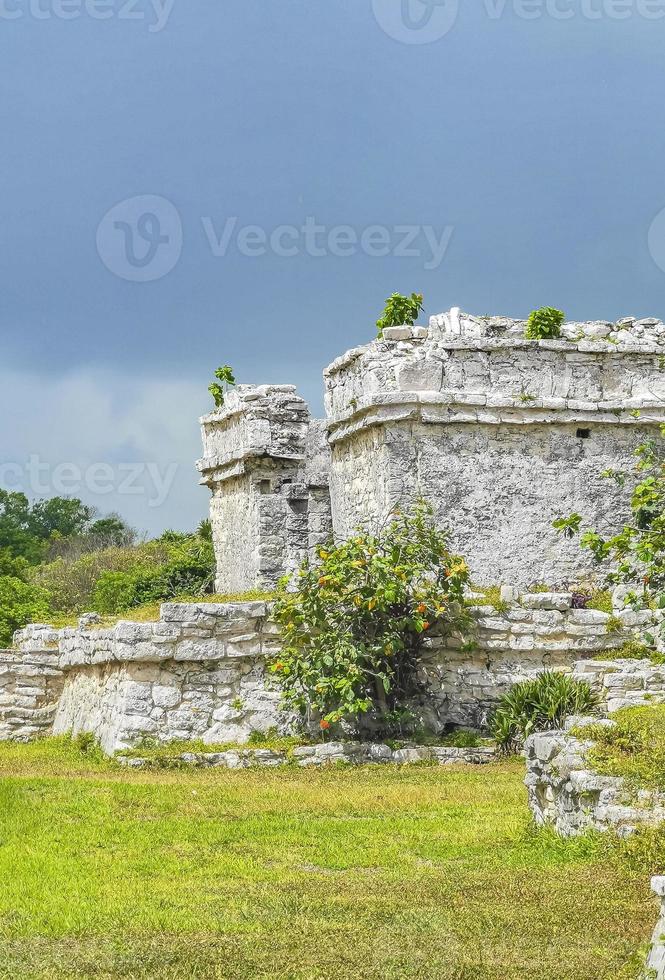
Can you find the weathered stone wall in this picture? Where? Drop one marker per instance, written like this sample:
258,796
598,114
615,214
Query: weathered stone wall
265,461
500,434
656,959
623,683
196,674
564,791
30,684
199,672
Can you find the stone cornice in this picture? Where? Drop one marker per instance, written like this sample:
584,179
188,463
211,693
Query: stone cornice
450,408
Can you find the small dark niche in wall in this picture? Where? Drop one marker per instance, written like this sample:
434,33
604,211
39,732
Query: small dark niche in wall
298,506
265,486
584,433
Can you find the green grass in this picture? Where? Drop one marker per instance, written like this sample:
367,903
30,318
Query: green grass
489,595
374,873
634,748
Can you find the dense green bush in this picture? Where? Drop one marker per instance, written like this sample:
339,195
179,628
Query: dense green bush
544,324
399,311
189,570
114,579
354,625
20,604
539,705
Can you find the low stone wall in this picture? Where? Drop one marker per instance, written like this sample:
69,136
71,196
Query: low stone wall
623,683
542,632
565,792
350,753
31,683
199,672
656,960
195,674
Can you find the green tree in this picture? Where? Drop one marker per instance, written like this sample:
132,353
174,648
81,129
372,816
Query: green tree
20,604
353,625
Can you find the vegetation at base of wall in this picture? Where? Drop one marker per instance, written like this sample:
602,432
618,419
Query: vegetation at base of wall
633,748
400,311
353,625
295,872
544,324
539,705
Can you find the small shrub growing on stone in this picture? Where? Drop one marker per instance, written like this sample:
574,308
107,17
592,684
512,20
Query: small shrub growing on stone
354,624
539,705
219,389
400,311
544,324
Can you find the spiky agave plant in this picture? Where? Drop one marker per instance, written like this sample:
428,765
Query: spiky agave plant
539,705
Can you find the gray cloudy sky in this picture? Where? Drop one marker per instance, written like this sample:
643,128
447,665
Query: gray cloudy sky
187,183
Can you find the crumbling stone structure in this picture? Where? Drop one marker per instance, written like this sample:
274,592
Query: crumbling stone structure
266,463
500,434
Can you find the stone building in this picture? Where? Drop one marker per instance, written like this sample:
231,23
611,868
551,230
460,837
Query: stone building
500,434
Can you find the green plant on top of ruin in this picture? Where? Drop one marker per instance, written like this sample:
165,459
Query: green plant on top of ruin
354,625
538,705
544,324
400,311
219,389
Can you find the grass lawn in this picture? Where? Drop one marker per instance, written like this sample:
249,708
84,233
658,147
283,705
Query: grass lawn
374,873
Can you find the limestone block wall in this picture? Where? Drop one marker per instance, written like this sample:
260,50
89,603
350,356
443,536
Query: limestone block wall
31,684
502,435
623,683
265,461
196,674
564,791
199,671
541,632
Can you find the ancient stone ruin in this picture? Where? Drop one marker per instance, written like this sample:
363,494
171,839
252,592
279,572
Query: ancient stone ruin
500,434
